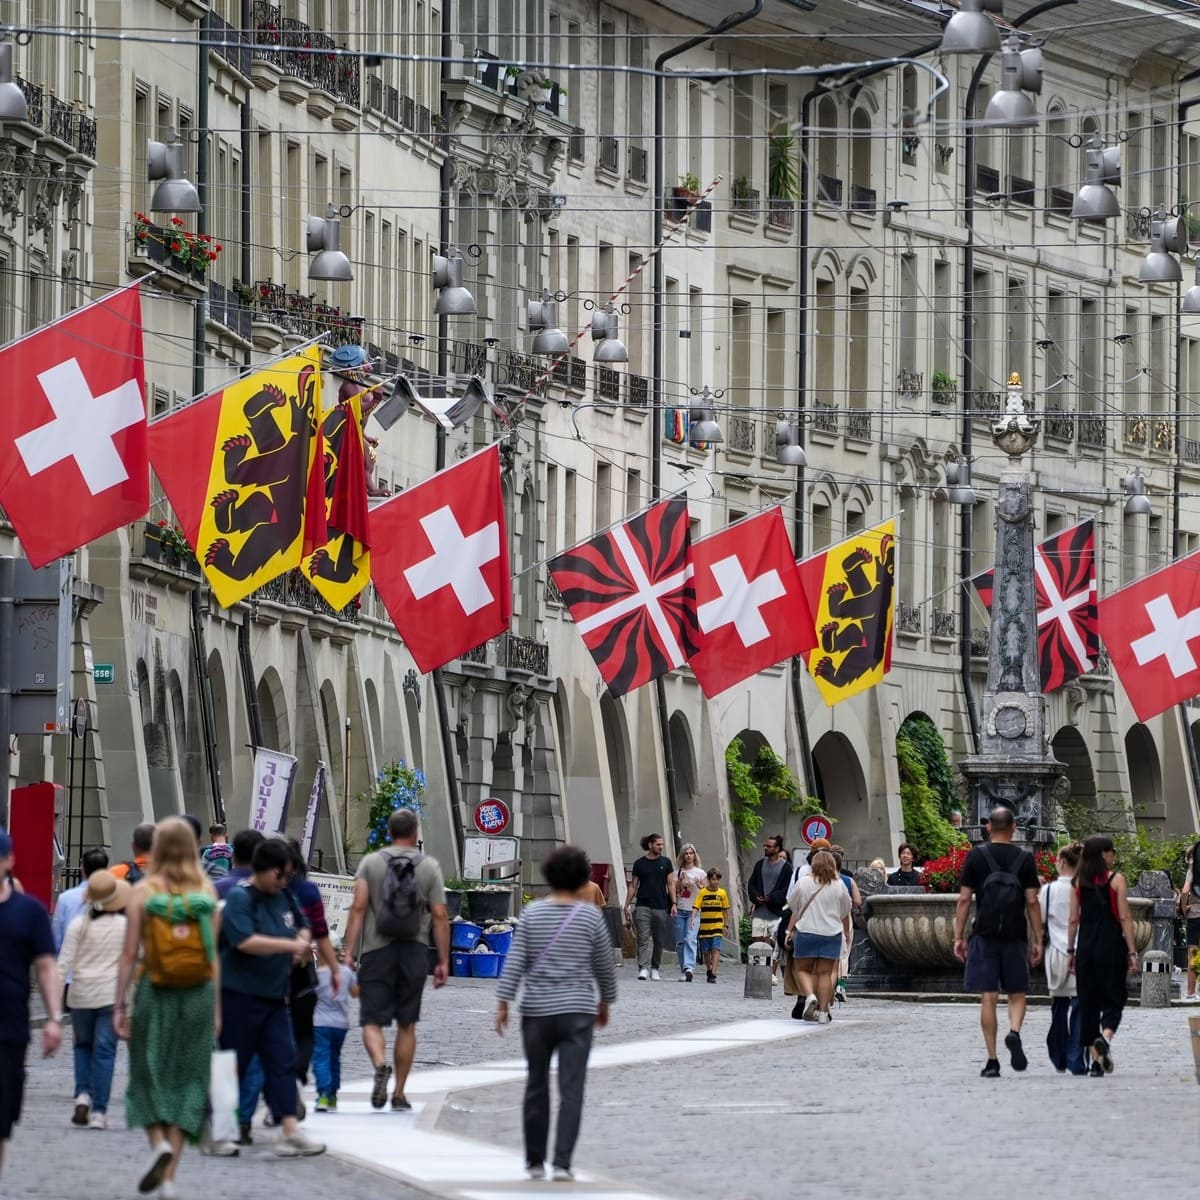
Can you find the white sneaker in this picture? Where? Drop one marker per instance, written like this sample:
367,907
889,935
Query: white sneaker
83,1104
167,1190
644,973
219,1149
810,1007
654,974
823,1018
562,1175
538,1172
97,1121
156,1165
297,1146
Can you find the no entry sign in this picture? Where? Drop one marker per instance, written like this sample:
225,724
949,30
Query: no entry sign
492,816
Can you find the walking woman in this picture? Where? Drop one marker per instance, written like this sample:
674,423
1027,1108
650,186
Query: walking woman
1189,904
1062,1042
689,879
1100,948
820,907
172,921
91,958
561,962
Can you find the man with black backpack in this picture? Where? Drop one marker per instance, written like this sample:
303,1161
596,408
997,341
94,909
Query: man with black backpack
399,898
133,869
1004,882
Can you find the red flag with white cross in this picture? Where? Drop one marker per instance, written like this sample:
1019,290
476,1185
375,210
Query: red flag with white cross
439,560
74,463
1152,631
749,602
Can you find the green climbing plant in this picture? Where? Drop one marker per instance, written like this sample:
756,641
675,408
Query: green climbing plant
745,796
923,735
925,826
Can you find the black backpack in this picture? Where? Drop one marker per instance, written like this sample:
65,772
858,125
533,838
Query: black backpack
1000,901
398,914
133,872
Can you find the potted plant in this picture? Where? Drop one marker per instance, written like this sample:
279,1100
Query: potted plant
456,889
783,180
396,786
942,385
745,197
688,189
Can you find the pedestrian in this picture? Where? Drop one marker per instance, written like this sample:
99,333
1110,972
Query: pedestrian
1100,947
245,842
712,903
877,864
956,818
172,925
907,875
71,903
91,958
26,944
399,899
803,866
1063,1041
1003,879
1189,905
843,971
820,907
767,892
263,935
217,856
689,879
134,868
561,964
331,1023
651,897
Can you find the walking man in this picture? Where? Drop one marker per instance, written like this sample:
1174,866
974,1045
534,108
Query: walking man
70,903
133,869
399,894
1004,881
652,899
768,894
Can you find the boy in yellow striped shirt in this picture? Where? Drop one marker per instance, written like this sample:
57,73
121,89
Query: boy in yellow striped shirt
712,903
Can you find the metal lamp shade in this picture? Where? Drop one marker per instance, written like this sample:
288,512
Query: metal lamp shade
1095,202
791,455
611,350
1138,506
1160,267
12,99
550,341
705,431
970,32
1191,300
332,266
175,196
1010,110
455,302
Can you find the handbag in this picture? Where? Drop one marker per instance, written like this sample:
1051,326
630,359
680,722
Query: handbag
223,1095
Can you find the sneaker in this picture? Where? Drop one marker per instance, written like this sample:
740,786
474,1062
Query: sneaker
401,1104
810,1007
156,1165
331,1103
219,1149
774,980
839,993
97,1121
298,1145
712,977
1191,998
823,1018
562,1175
709,976
380,1090
83,1105
687,975
644,973
1016,1052
798,1009
1104,1051
167,1190
1096,1071
322,1104
655,974
536,1170
244,1137
991,1069
683,977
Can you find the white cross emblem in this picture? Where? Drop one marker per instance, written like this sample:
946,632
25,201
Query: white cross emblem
1059,608
83,427
456,560
1169,638
741,600
647,595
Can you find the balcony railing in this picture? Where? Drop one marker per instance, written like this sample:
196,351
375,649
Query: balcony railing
637,164
306,54
987,181
267,32
232,44
467,358
781,213
746,200
513,653
909,383
1191,450
858,424
743,434
639,391
293,590
228,309
608,384
1137,224
551,593
610,154
1059,424
34,100
941,392
85,135
824,417
862,199
1091,431
299,314
518,370
986,406
944,623
908,618
1060,200
62,120
1022,191
829,189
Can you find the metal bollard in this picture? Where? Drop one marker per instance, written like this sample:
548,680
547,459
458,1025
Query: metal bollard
1156,979
758,971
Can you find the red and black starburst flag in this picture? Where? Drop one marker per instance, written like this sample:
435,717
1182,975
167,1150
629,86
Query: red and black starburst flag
630,593
1068,626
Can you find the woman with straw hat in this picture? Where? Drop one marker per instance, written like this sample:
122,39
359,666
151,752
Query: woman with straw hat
91,955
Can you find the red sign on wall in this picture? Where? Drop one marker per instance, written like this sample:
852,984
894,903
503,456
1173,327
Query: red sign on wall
814,827
492,816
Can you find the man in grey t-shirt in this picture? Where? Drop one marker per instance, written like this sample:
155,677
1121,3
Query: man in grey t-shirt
391,971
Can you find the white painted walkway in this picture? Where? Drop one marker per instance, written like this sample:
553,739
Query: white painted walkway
407,1146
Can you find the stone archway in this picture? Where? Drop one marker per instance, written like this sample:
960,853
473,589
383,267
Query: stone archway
1071,750
616,745
1145,774
272,707
842,783
771,811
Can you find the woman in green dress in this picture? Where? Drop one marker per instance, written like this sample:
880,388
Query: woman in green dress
171,939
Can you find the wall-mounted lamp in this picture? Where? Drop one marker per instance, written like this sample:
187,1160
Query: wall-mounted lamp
453,300
702,418
1137,503
788,451
1168,236
164,161
969,31
12,100
323,236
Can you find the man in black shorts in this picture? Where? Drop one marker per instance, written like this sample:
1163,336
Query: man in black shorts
1004,882
392,971
25,941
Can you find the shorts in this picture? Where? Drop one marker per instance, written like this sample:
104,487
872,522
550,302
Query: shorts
12,1085
817,945
763,928
707,944
391,981
994,966
1193,931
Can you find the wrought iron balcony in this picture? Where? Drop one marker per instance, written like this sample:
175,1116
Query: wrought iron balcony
571,372
1137,224
944,623
305,53
743,434
639,391
863,199
824,417
511,652
746,200
986,406
829,189
233,48
781,213
858,424
908,618
467,358
297,313
293,590
34,100
62,120
941,391
1058,424
518,370
608,384
610,155
1191,451
1091,431
637,164
267,32
85,135
228,309
909,383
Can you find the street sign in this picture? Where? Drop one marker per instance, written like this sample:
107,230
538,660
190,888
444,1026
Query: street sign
492,816
816,826
103,673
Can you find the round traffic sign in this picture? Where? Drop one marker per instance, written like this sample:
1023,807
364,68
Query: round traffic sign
816,826
492,816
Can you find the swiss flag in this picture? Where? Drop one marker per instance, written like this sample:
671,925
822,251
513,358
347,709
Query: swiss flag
1152,631
439,560
749,602
73,455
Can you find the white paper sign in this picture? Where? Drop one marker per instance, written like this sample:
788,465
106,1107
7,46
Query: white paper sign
337,894
273,775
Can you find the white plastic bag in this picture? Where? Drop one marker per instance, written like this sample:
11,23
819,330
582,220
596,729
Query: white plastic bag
223,1096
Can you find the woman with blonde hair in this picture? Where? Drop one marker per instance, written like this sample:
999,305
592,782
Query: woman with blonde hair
689,879
820,906
172,926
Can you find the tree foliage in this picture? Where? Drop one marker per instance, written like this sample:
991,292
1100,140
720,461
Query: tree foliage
925,825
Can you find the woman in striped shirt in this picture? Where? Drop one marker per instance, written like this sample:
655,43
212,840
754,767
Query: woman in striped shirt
561,962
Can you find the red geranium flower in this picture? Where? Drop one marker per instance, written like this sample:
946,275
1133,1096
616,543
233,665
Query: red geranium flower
175,247
177,221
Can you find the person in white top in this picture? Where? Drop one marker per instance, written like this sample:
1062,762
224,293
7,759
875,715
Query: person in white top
689,879
820,906
802,864
1062,1041
90,956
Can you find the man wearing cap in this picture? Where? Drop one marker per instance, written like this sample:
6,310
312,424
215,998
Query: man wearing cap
25,941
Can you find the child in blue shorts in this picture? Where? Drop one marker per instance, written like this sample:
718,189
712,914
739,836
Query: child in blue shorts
712,903
331,1023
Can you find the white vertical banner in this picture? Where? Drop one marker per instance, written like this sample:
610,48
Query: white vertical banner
313,813
274,772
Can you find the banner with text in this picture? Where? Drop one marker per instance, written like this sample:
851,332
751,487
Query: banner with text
274,772
313,813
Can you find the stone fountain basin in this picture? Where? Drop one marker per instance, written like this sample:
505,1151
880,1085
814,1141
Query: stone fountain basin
917,932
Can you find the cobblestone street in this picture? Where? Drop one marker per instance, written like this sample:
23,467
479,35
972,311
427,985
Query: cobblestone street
887,1100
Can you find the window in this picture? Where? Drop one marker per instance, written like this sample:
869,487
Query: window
696,335
981,350
602,508
822,525
1160,372
573,281
906,565
943,536
633,492
861,181
575,82
825,344
744,142
741,370
1017,349
1131,162
1089,355
909,104
671,337
1060,182
604,272
829,179
635,83
1056,330
945,310
141,134
264,215
909,299
1132,378
982,532
638,318
859,348
293,181
552,542
776,373
607,79
569,536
